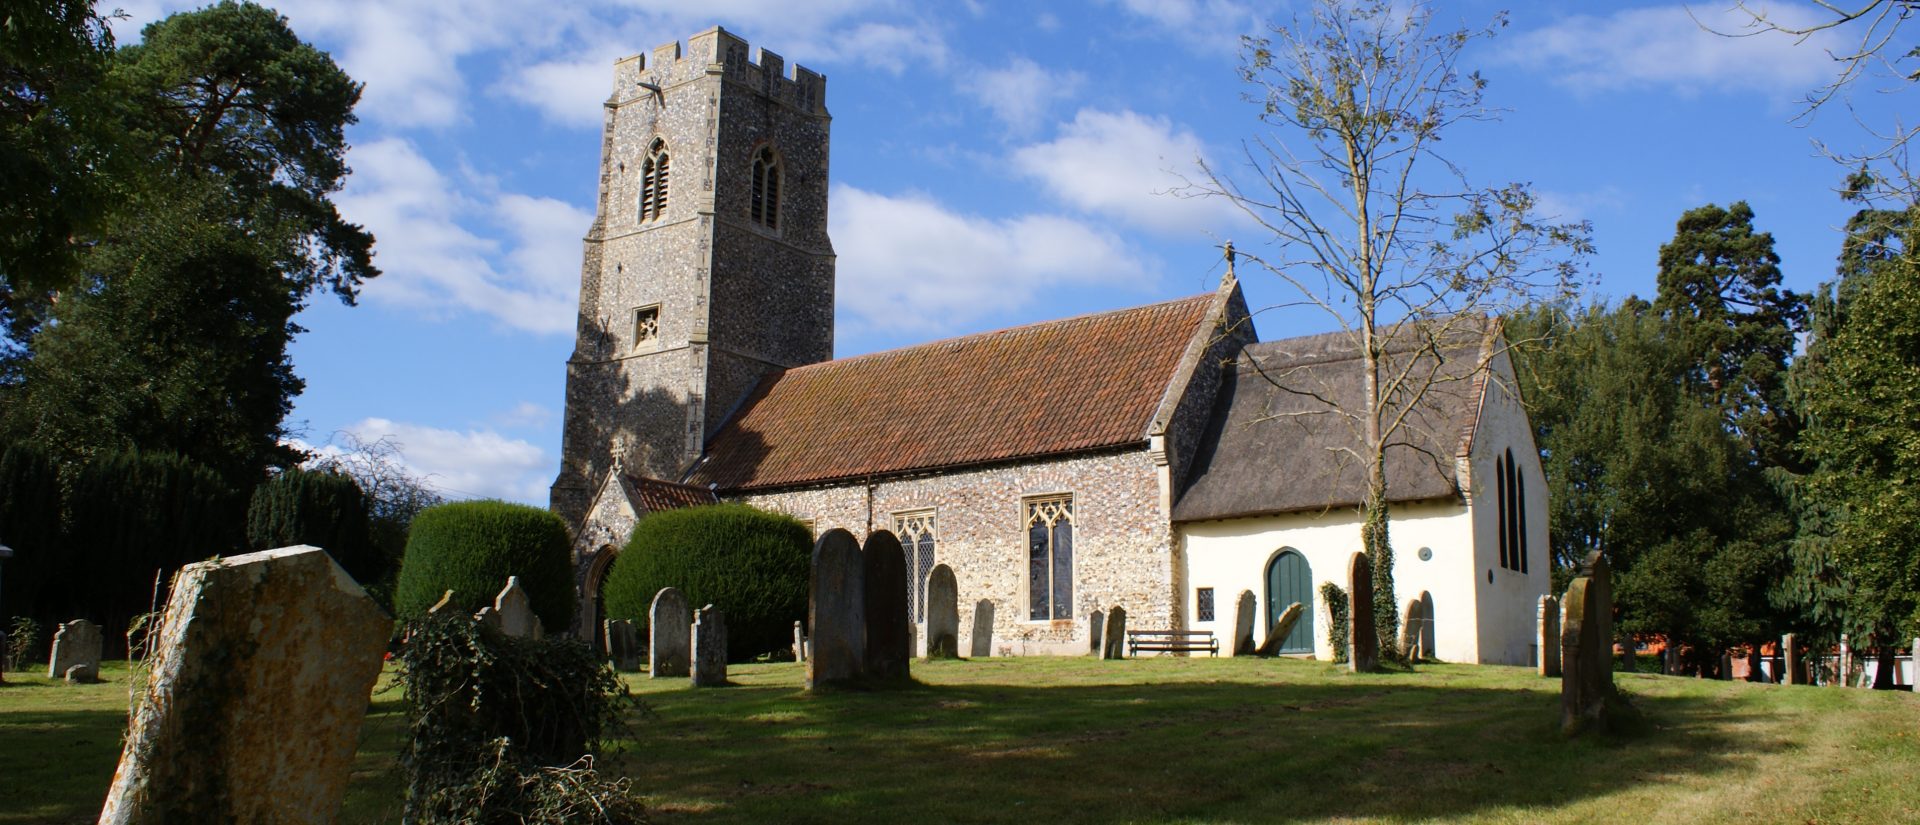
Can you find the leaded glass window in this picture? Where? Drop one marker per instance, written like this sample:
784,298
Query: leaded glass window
916,532
1204,603
1050,558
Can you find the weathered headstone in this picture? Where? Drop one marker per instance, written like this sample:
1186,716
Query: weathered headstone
489,617
1913,653
1363,641
890,628
1281,629
836,610
1096,630
516,611
1428,642
1549,638
623,645
259,684
943,614
1796,666
1115,646
445,603
75,644
1846,660
709,647
1410,630
1243,608
1586,649
799,641
669,623
982,641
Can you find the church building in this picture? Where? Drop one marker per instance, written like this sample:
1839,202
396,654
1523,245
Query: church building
1158,458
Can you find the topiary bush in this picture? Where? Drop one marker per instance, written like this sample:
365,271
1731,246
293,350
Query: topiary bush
471,547
322,508
750,563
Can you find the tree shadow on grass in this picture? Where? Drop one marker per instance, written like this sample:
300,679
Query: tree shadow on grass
1157,753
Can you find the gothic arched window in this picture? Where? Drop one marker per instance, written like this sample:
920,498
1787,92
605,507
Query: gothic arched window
653,182
764,205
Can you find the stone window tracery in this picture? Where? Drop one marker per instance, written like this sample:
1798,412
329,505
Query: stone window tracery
917,538
646,325
764,203
653,182
1049,523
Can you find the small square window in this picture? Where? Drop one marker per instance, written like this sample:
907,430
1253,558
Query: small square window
646,325
1204,601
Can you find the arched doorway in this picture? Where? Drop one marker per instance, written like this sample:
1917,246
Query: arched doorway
593,607
1289,580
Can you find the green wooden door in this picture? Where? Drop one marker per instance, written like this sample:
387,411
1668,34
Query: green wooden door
1290,580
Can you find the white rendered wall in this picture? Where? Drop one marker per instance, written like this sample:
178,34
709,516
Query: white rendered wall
1509,602
1231,555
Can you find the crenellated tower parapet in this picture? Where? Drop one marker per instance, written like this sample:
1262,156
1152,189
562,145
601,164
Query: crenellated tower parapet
718,51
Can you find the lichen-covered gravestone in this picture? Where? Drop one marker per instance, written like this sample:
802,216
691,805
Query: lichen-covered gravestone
623,645
709,647
889,624
76,652
1282,628
1363,641
259,684
1243,609
516,611
1586,649
1096,628
982,629
836,610
1116,634
943,614
1549,639
669,621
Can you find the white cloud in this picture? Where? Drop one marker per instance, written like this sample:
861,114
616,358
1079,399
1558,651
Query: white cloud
1208,25
1126,165
461,464
1666,47
566,92
431,261
526,414
1563,207
907,262
1020,93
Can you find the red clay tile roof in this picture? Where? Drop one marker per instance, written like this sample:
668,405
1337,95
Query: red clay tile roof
1059,387
655,495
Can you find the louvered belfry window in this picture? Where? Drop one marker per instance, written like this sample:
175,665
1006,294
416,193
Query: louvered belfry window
764,205
653,182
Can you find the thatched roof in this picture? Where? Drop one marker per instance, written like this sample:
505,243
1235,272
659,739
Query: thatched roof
1283,437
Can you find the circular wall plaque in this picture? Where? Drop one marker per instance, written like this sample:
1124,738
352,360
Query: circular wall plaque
1426,554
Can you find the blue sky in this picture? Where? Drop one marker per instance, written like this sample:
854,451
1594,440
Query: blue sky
993,164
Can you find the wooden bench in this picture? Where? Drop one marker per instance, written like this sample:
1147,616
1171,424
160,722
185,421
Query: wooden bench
1171,641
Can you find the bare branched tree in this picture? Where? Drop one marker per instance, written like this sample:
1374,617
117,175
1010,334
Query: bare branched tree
1369,222
394,493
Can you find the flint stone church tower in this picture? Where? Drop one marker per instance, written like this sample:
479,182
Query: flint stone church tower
708,264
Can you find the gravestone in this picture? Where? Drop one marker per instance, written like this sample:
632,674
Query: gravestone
799,641
1410,630
836,610
1846,660
489,617
1096,628
1913,653
516,611
623,645
890,641
982,629
252,710
669,624
943,614
709,647
1115,646
1363,641
75,645
1243,608
1549,636
1281,629
445,603
1796,666
1586,649
1427,624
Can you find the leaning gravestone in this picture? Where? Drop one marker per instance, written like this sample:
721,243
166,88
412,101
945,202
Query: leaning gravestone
623,645
799,641
75,645
1243,608
1548,623
889,624
1363,641
516,611
1096,626
1586,649
709,647
1116,634
669,621
1282,628
983,629
836,610
258,688
1410,630
943,614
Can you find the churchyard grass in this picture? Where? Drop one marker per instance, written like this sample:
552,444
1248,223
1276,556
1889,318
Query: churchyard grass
1160,740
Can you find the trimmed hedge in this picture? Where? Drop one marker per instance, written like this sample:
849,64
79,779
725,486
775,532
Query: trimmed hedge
750,563
471,547
325,509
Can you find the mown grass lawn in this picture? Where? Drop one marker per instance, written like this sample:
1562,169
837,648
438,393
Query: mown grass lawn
1159,740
